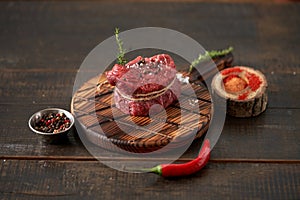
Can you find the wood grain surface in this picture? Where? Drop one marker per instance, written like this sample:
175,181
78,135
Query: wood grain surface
42,47
92,180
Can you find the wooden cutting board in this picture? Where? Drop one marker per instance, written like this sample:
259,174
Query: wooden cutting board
95,110
106,126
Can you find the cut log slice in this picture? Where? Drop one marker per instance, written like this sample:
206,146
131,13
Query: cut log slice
244,89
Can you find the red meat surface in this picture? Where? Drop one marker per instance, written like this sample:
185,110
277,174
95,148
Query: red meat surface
144,82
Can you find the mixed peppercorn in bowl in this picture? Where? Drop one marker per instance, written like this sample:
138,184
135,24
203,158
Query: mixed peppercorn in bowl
51,122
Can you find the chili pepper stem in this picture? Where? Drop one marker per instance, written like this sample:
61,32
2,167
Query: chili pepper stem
157,170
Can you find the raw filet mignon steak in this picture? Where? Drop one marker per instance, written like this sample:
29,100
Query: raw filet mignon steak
144,82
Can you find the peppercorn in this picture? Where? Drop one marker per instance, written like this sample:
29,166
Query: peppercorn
52,123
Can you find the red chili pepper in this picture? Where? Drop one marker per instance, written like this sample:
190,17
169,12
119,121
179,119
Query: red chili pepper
171,170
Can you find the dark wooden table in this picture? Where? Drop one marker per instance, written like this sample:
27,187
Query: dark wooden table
42,44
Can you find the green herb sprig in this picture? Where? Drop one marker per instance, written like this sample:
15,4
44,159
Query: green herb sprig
209,55
121,55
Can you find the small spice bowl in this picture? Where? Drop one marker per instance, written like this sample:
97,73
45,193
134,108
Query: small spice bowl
53,124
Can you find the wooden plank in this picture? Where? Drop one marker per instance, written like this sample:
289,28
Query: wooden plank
262,136
273,135
36,87
92,180
198,1
54,87
257,31
57,47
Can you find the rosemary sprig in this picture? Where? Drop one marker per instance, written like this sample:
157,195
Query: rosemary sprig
121,55
209,54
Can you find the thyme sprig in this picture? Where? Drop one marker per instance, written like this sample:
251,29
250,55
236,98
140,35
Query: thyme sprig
121,55
209,55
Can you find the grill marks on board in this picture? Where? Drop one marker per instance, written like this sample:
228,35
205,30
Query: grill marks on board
96,111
